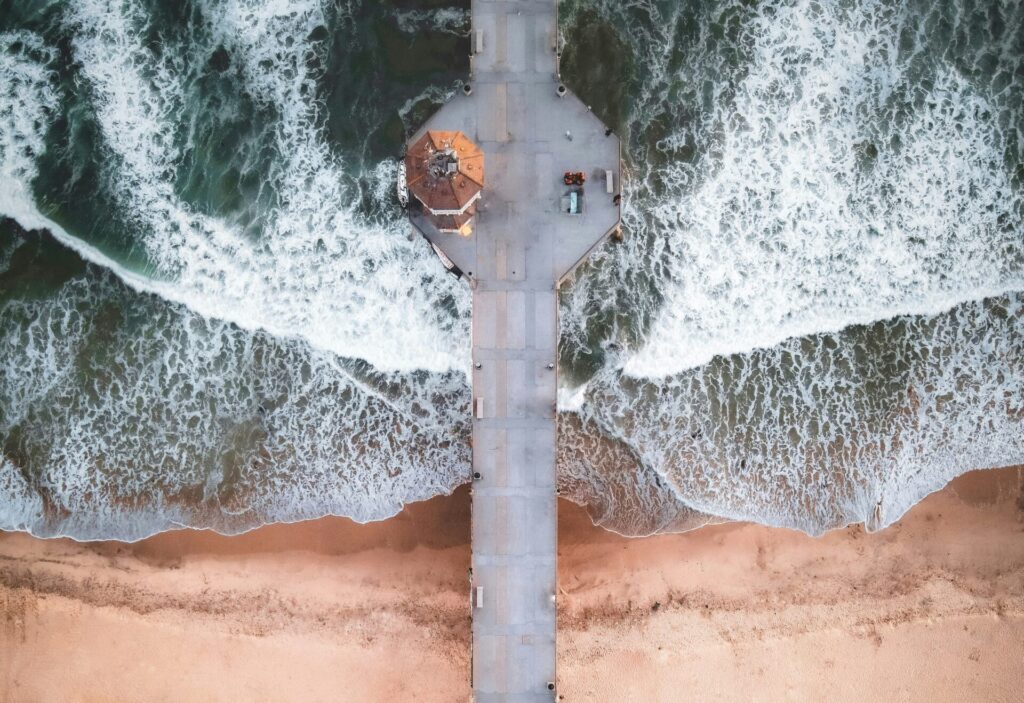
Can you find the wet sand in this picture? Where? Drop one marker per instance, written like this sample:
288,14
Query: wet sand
930,609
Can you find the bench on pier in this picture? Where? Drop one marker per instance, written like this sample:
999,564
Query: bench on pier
572,202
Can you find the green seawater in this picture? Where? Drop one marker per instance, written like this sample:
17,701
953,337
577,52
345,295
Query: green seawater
211,314
369,80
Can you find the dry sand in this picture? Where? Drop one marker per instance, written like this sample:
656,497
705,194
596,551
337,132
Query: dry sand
931,609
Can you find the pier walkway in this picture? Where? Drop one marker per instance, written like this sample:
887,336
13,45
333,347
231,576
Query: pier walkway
522,246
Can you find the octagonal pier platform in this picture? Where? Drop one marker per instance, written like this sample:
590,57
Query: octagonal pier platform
523,244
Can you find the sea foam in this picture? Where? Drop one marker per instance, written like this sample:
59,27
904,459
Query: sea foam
816,432
800,171
814,318
319,270
27,102
123,415
845,181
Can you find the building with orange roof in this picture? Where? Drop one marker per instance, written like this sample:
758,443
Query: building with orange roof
444,172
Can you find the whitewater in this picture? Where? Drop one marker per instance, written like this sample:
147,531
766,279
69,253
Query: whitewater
815,317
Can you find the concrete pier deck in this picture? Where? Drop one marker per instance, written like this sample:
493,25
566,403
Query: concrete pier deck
522,246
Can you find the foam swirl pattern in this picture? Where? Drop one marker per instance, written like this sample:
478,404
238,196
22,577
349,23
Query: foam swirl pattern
816,316
210,313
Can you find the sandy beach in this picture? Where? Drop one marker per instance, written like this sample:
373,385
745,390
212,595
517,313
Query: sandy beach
931,609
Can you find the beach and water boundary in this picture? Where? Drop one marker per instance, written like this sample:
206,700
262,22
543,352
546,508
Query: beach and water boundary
376,612
148,392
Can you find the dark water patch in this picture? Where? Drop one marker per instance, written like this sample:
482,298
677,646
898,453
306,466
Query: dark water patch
598,65
373,70
617,319
71,187
35,265
226,135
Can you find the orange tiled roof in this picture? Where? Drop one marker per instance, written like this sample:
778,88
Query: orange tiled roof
434,186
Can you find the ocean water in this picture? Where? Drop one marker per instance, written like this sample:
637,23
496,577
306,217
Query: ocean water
816,317
246,334
211,312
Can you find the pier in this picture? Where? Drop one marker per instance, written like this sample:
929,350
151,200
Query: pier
524,242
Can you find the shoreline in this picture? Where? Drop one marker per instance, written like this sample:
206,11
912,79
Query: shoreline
380,610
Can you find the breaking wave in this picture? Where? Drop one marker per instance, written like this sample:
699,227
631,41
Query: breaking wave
316,269
801,170
815,318
278,351
123,415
